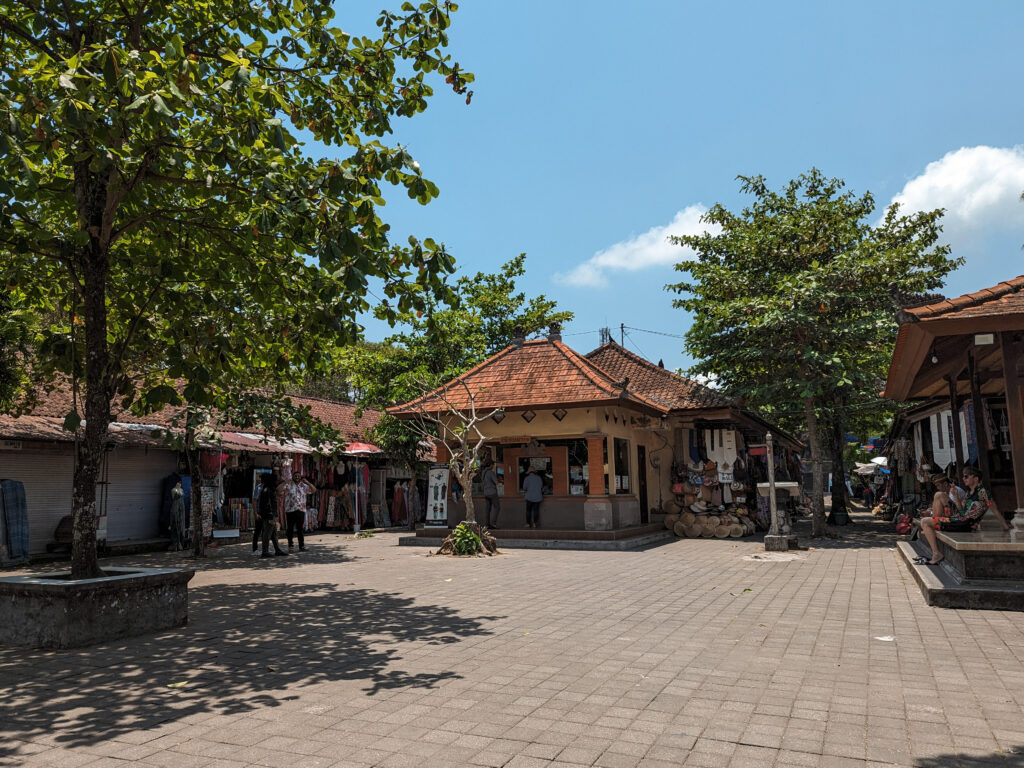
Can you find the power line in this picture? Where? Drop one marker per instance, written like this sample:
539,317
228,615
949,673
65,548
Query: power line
636,346
656,333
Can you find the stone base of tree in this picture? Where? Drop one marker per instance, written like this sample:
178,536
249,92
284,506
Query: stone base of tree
776,543
488,544
52,611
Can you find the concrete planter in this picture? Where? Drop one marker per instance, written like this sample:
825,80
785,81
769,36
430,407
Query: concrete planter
51,611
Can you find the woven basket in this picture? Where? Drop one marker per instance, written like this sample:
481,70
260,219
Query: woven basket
736,531
692,531
714,521
688,518
707,532
679,529
722,532
671,520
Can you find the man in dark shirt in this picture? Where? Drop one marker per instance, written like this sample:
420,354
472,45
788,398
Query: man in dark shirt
489,481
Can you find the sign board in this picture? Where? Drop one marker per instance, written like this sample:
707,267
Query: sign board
437,496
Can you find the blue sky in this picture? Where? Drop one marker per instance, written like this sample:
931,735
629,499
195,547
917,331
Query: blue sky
597,129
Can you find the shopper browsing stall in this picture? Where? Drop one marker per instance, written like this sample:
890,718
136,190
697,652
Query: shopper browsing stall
295,492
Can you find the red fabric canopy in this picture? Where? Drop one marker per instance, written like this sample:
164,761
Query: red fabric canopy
354,448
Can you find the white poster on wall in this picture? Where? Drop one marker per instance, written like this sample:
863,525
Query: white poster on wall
437,496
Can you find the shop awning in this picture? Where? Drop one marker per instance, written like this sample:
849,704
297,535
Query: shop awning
360,449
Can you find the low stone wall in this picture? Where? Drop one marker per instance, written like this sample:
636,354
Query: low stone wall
51,611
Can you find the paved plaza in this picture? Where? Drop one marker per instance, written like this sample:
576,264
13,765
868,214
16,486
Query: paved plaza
362,653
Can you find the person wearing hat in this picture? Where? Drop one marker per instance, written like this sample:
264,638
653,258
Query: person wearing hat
949,499
533,493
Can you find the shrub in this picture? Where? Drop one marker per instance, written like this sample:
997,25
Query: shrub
467,542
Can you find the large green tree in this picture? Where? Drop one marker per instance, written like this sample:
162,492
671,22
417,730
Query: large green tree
791,303
155,187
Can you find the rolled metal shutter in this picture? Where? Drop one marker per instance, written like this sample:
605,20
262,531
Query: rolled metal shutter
48,475
134,482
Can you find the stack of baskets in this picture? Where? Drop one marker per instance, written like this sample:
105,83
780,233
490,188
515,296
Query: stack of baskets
718,525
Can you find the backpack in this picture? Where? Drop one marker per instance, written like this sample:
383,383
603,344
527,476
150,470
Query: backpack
903,524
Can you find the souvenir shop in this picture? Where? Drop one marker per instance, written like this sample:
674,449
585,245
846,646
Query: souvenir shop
351,492
618,441
715,483
927,440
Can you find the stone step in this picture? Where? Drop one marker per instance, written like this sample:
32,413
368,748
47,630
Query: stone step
943,587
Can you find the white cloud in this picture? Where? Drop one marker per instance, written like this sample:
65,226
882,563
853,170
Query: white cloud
979,187
652,248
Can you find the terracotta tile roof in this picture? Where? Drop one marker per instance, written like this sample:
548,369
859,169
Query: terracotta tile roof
670,389
1007,298
341,416
540,373
44,420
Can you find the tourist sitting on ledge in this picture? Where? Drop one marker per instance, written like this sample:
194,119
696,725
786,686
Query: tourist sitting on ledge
953,516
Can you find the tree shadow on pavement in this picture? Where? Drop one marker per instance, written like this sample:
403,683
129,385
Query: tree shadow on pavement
1013,758
245,645
864,531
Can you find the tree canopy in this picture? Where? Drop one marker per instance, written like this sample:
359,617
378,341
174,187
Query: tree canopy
790,296
158,200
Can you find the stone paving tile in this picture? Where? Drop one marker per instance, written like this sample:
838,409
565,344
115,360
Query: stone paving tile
361,653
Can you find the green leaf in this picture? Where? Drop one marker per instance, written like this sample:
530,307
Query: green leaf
160,106
109,70
72,421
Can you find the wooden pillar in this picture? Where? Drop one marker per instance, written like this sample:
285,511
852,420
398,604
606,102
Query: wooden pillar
980,428
958,438
1014,410
595,465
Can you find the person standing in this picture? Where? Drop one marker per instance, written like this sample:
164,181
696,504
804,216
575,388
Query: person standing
533,492
489,481
257,518
178,526
295,493
266,517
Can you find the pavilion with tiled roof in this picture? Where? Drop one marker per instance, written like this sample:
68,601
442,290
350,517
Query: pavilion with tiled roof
968,350
605,429
959,361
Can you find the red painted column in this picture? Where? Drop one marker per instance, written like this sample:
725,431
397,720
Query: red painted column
595,465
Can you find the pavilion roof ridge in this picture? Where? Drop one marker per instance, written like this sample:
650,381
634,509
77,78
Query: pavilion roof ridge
968,300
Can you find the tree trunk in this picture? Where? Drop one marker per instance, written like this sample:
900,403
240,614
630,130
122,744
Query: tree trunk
817,471
192,456
838,444
90,449
465,477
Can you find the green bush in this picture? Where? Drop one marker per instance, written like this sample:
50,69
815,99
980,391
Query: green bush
467,541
